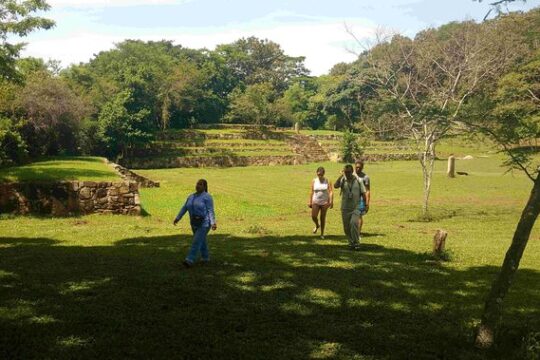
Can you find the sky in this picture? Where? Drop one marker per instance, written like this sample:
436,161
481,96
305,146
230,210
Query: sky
316,29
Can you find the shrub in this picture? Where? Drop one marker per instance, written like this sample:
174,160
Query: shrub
350,147
12,146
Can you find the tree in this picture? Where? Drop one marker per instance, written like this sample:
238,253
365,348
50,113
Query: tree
12,146
297,99
122,127
347,100
16,18
497,6
430,78
514,123
258,104
255,61
174,83
51,114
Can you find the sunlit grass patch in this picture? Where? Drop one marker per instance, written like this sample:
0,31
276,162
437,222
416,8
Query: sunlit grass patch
61,169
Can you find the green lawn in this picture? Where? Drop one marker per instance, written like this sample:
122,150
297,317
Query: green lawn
59,169
112,286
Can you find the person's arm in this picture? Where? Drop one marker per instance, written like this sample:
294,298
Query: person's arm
368,189
337,184
330,194
182,212
310,201
211,212
363,193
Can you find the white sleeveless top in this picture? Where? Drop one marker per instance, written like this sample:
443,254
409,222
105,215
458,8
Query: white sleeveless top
320,192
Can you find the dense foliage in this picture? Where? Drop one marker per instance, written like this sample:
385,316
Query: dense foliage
122,97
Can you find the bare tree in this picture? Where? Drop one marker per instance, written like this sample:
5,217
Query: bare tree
499,6
431,78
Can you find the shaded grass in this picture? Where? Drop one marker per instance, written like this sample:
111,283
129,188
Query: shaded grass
271,297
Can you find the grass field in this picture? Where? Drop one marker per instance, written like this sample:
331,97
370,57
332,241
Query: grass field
112,286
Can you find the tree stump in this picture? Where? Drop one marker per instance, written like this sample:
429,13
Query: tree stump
451,166
297,127
439,242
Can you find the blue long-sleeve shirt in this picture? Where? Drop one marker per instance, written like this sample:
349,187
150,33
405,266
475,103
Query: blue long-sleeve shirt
199,205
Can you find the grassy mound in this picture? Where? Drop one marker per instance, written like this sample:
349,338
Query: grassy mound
61,169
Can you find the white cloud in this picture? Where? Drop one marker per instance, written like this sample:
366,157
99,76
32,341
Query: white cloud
321,42
109,3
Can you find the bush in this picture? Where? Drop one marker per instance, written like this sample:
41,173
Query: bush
12,146
350,147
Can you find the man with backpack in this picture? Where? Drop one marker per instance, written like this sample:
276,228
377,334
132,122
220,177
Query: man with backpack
352,191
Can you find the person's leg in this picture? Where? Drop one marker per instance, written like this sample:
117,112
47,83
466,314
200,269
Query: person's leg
354,238
324,209
314,216
196,245
205,255
360,223
345,218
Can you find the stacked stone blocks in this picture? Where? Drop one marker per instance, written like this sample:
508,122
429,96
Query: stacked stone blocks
70,197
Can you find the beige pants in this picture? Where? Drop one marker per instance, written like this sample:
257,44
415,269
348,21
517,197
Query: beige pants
350,220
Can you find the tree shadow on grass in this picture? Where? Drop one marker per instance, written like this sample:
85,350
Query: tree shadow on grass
267,297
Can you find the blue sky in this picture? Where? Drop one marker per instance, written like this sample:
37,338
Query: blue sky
315,29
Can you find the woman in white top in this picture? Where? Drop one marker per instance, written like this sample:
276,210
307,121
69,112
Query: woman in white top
321,199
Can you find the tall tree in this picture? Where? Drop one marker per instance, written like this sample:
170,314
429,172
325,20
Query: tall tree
16,18
514,124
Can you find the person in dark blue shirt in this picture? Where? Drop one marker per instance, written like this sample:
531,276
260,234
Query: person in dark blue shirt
200,206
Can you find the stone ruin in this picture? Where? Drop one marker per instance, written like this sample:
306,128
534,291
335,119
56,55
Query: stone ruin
66,198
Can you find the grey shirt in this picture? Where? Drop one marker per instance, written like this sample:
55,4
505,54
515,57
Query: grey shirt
351,192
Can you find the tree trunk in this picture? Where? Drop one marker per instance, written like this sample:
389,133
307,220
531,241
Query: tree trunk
494,303
451,172
428,161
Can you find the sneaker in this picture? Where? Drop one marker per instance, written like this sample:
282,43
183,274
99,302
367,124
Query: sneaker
354,248
322,237
187,264
315,229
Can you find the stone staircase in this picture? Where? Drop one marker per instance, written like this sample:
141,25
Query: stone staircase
308,147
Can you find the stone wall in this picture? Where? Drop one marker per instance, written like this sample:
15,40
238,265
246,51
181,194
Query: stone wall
129,175
389,157
70,198
212,161
336,157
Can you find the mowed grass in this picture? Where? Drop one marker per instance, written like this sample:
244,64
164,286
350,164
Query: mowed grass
113,287
61,169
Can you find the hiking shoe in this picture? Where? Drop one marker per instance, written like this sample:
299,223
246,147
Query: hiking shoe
187,264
